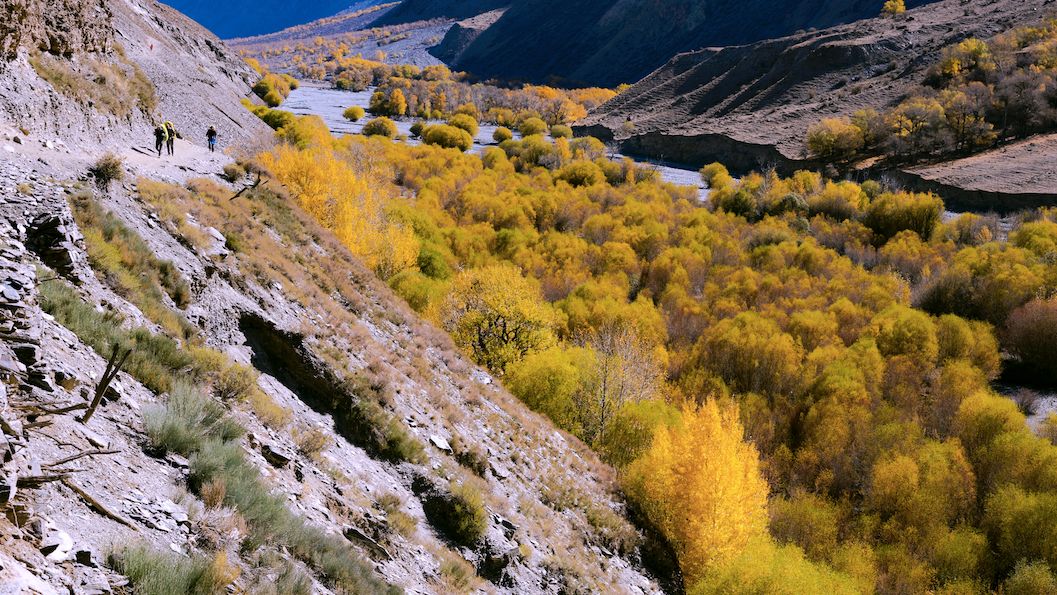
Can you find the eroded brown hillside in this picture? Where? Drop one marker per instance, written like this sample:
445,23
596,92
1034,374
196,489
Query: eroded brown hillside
750,106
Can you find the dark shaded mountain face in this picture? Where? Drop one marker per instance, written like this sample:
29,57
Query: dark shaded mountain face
608,42
410,11
243,18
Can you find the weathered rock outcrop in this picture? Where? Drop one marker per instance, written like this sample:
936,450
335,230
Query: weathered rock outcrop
409,11
59,27
462,34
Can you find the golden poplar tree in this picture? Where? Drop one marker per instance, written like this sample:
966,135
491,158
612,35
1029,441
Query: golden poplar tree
700,484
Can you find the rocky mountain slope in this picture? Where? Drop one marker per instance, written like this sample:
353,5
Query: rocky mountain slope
252,287
462,34
609,42
242,19
341,23
751,105
409,11
103,73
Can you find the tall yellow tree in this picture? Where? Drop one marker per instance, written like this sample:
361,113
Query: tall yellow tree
700,484
894,7
397,103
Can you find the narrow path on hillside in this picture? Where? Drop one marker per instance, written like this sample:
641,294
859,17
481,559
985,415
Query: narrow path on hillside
189,160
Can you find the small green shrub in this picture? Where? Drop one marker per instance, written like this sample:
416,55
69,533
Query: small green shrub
109,168
277,119
457,573
311,442
372,428
399,521
187,421
581,173
233,241
380,127
235,382
471,457
532,126
233,172
458,514
163,573
465,122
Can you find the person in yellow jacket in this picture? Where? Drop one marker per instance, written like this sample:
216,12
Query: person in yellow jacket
170,142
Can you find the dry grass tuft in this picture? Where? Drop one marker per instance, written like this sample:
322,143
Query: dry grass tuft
117,88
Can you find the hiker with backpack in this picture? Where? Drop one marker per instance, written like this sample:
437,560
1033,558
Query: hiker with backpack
211,138
161,135
170,143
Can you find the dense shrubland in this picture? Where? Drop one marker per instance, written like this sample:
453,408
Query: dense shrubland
436,92
441,95
794,380
431,92
979,94
272,88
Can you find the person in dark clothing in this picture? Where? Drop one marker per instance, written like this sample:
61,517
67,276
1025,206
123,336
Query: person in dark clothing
211,138
171,142
160,136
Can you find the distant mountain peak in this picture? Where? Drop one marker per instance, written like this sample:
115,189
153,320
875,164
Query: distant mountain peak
242,18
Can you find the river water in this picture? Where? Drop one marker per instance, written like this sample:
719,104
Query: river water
330,104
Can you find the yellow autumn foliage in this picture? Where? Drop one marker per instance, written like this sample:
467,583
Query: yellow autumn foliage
700,484
345,202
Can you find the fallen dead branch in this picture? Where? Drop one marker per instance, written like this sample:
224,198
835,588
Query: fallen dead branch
250,187
81,455
95,504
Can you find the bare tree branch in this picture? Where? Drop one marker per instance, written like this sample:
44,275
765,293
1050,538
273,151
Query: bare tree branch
95,504
81,455
250,187
113,367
